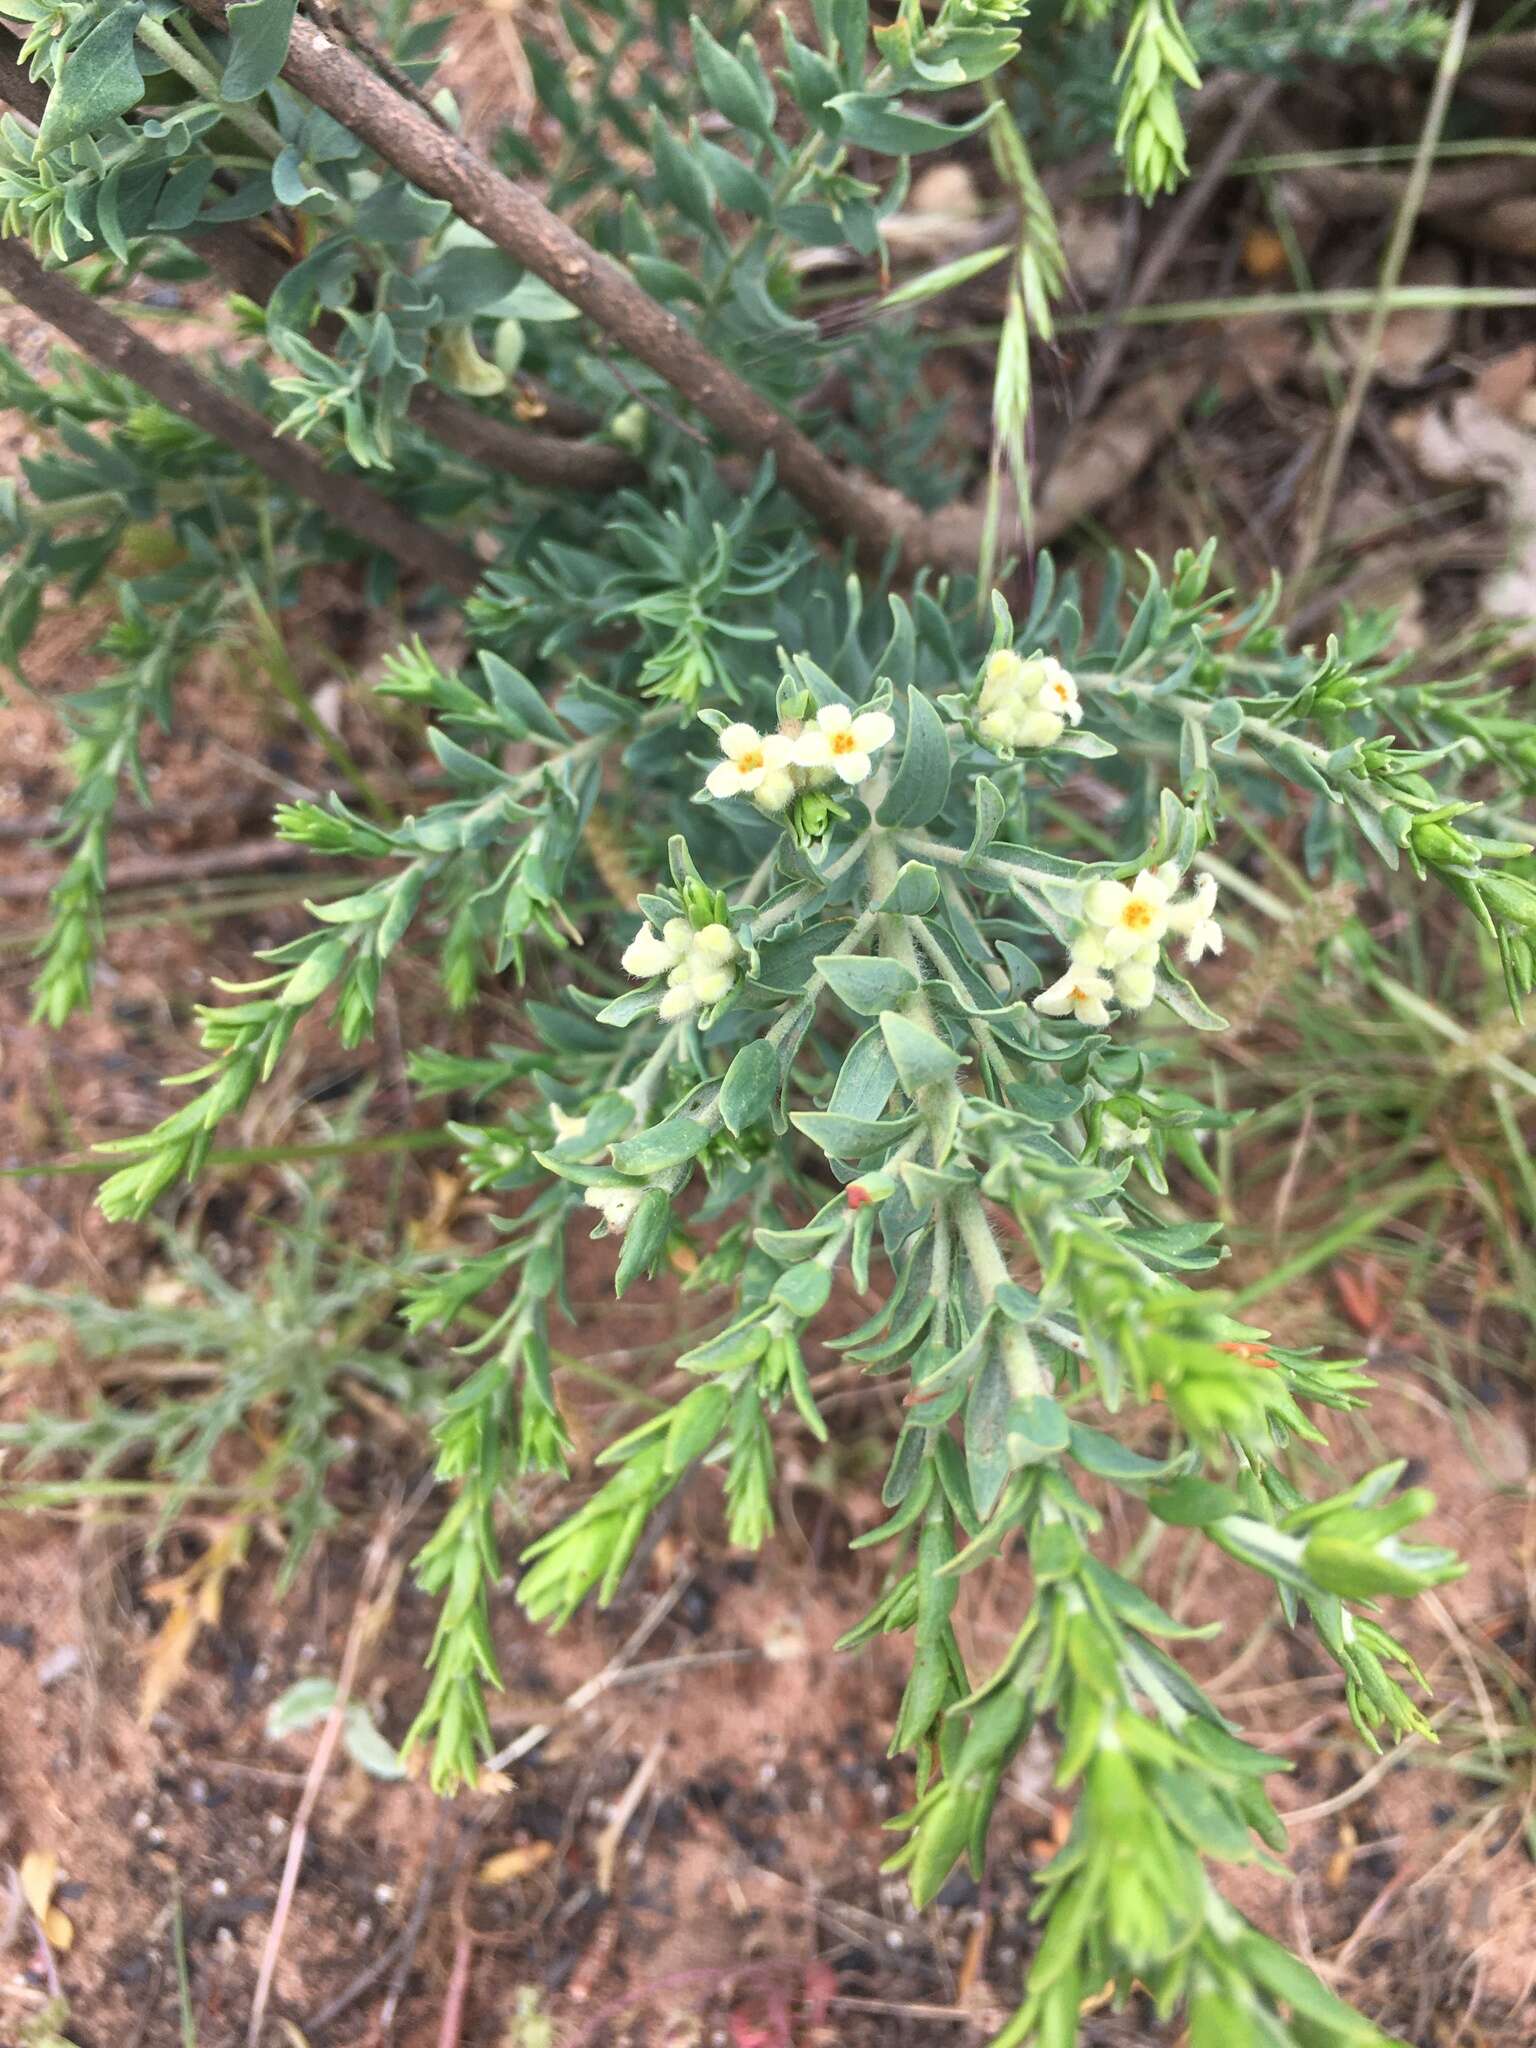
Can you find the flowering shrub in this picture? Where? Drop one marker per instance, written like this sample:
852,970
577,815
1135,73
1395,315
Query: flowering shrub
871,1022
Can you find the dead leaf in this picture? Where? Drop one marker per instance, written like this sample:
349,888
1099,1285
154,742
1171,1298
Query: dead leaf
1470,442
434,1231
512,1864
1264,254
1104,455
947,188
1342,1861
196,1601
39,1874
1508,384
1090,241
1507,226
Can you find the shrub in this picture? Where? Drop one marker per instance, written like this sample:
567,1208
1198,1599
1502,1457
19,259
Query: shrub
871,1016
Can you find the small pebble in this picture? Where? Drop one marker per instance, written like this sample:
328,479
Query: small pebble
219,1888
58,1665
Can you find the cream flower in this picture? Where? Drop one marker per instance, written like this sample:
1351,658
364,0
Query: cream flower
1115,1135
1082,992
1026,703
843,740
706,974
650,953
616,1206
755,765
1136,980
1129,920
1192,919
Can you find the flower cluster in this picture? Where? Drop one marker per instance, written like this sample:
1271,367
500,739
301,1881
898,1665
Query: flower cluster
700,966
1025,703
774,767
1116,950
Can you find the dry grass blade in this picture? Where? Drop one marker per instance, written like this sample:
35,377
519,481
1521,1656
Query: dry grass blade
330,1735
1321,501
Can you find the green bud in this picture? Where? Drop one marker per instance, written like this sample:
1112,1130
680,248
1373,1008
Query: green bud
1441,846
460,365
630,427
508,346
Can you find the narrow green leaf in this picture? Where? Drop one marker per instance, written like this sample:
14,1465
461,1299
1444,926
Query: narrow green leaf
944,279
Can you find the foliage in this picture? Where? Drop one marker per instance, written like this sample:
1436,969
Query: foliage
868,1028
270,1363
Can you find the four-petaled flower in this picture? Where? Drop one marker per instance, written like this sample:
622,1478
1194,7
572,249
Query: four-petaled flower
843,740
773,768
756,765
1119,945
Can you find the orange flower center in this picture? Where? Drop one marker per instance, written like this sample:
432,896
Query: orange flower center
844,742
1136,915
750,761
1079,995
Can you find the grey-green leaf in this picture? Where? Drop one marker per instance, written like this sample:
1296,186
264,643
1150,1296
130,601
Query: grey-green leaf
864,982
750,1086
259,32
99,80
986,1434
668,1144
921,784
919,1057
735,87
916,890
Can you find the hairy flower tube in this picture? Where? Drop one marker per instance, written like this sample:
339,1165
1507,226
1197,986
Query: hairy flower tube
616,1206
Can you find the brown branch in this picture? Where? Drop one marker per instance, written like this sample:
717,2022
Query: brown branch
251,266
355,506
339,83
153,871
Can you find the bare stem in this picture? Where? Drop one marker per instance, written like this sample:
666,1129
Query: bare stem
352,505
877,518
